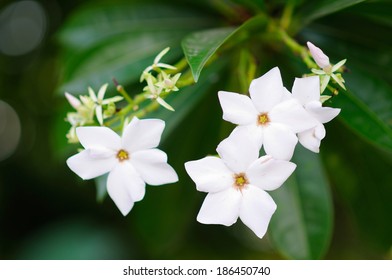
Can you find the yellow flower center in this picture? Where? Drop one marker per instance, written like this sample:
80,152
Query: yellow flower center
122,155
240,181
263,119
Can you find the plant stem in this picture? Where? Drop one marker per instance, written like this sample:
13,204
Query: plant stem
296,48
285,20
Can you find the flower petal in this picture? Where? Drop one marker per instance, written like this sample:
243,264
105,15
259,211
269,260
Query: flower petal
237,108
338,65
306,89
142,134
311,138
238,151
279,141
269,173
324,82
73,101
257,208
220,208
267,91
101,92
293,115
210,174
88,167
322,114
153,167
93,137
253,132
161,54
164,104
92,94
125,186
98,113
318,55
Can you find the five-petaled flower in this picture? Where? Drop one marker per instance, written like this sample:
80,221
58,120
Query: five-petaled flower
270,115
131,160
237,183
307,92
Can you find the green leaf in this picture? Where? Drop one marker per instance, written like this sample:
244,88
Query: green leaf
121,40
317,9
200,46
362,180
121,58
99,22
367,108
302,225
379,12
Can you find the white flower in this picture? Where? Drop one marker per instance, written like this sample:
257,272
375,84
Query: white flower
328,71
131,160
154,92
157,64
237,183
307,92
166,82
100,101
271,115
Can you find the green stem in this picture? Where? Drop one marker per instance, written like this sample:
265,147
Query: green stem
180,65
124,93
133,105
287,14
185,80
297,49
154,105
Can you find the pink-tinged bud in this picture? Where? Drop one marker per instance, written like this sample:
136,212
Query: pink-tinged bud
75,103
318,55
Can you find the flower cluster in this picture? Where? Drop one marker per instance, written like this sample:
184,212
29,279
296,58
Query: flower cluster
131,160
87,107
327,70
163,83
271,118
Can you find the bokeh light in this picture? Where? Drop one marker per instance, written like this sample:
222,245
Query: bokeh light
9,130
22,27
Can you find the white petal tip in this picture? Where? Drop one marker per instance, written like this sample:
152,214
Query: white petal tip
209,222
125,212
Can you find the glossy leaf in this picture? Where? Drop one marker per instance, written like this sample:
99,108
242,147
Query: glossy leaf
367,108
317,9
361,177
200,46
379,12
121,40
98,22
123,59
302,224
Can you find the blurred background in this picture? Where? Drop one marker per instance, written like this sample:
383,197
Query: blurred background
48,47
